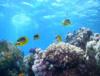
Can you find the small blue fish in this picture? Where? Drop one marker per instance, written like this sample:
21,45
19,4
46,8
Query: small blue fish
32,50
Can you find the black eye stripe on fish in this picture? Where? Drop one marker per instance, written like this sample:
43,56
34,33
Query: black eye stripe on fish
21,39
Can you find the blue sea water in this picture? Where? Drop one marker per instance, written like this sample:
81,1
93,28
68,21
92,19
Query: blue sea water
28,17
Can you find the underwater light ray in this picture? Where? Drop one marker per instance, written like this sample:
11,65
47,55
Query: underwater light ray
20,20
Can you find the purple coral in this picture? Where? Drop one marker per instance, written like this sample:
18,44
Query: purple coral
58,59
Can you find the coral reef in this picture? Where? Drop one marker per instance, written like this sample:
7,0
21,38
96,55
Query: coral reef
93,49
11,59
64,58
79,55
79,38
28,62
